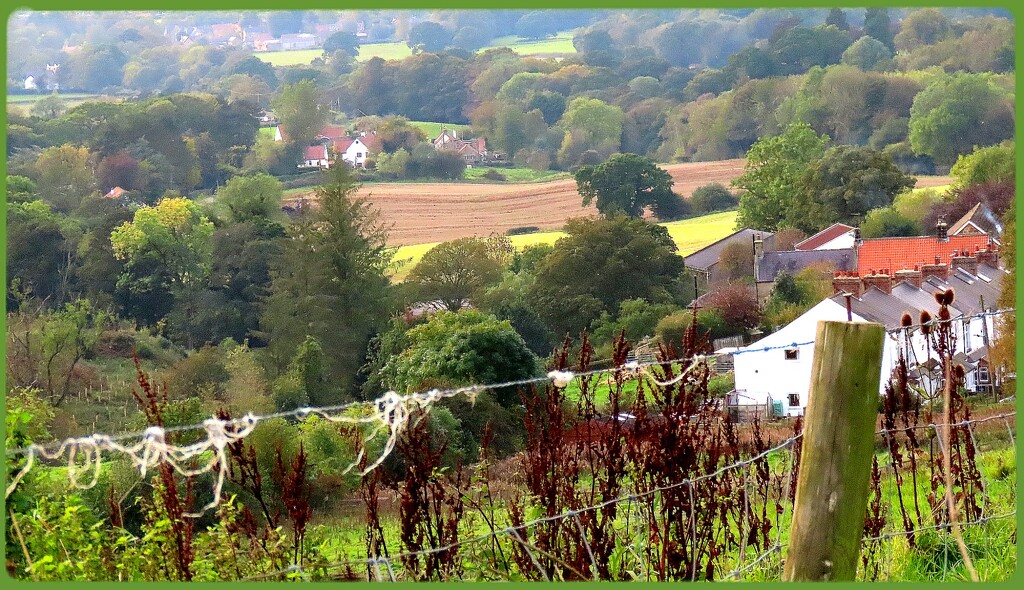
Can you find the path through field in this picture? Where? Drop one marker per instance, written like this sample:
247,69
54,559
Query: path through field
437,212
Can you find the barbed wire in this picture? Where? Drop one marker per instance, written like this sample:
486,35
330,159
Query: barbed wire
390,412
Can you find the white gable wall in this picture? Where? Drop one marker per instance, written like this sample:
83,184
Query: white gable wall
843,242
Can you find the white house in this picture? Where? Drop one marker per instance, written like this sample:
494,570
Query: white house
315,156
837,236
782,371
30,83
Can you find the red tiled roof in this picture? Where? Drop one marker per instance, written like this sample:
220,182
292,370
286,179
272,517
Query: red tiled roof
115,193
824,236
371,141
903,253
340,145
332,132
315,152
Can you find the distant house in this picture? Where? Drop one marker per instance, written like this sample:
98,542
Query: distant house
473,151
294,41
316,156
259,41
226,34
979,221
356,150
704,263
30,83
115,193
837,236
331,133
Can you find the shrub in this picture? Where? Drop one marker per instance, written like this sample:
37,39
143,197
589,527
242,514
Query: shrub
712,197
494,175
524,229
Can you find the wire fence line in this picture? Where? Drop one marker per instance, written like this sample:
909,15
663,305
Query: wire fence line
742,565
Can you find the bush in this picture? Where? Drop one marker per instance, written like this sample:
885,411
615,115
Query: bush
712,197
524,229
494,175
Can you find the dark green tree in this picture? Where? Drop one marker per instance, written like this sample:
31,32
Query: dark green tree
453,272
837,18
844,185
300,112
429,36
600,264
878,26
329,282
342,41
628,183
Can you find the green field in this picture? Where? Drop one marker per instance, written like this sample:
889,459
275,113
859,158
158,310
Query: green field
516,175
432,129
559,44
689,235
24,102
267,132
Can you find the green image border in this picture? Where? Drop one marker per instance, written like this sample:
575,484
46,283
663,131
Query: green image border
10,8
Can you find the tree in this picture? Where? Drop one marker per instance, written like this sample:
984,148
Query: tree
844,184
995,163
800,48
174,235
462,348
628,183
429,36
298,108
887,222
284,22
868,54
878,26
774,166
39,253
49,107
926,26
453,272
712,197
955,113
329,282
600,264
251,197
64,175
342,41
590,124
837,18
123,170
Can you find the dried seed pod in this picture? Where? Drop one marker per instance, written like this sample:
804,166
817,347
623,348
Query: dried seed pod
944,313
925,319
947,297
958,372
938,297
906,321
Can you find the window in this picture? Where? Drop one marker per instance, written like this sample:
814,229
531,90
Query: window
982,374
794,400
792,354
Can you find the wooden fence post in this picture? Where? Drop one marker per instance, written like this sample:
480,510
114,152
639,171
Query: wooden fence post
838,444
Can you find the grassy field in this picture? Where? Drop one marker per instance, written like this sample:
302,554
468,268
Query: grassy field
433,129
689,235
517,175
24,102
267,132
559,44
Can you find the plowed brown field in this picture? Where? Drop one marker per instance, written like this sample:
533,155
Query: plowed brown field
438,212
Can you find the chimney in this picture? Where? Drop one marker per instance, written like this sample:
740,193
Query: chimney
989,256
963,259
881,281
940,230
846,282
938,270
914,277
857,241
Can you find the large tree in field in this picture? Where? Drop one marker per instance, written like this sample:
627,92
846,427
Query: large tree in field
629,183
300,112
843,185
955,113
328,282
773,170
600,264
247,198
452,272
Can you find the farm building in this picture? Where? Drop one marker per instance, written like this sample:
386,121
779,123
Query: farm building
706,263
780,375
473,151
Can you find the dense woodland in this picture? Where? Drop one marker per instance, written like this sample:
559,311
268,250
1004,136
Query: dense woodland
198,285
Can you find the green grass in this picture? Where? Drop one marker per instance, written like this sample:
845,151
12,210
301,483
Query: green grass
396,50
296,57
516,175
558,45
432,129
267,132
689,235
